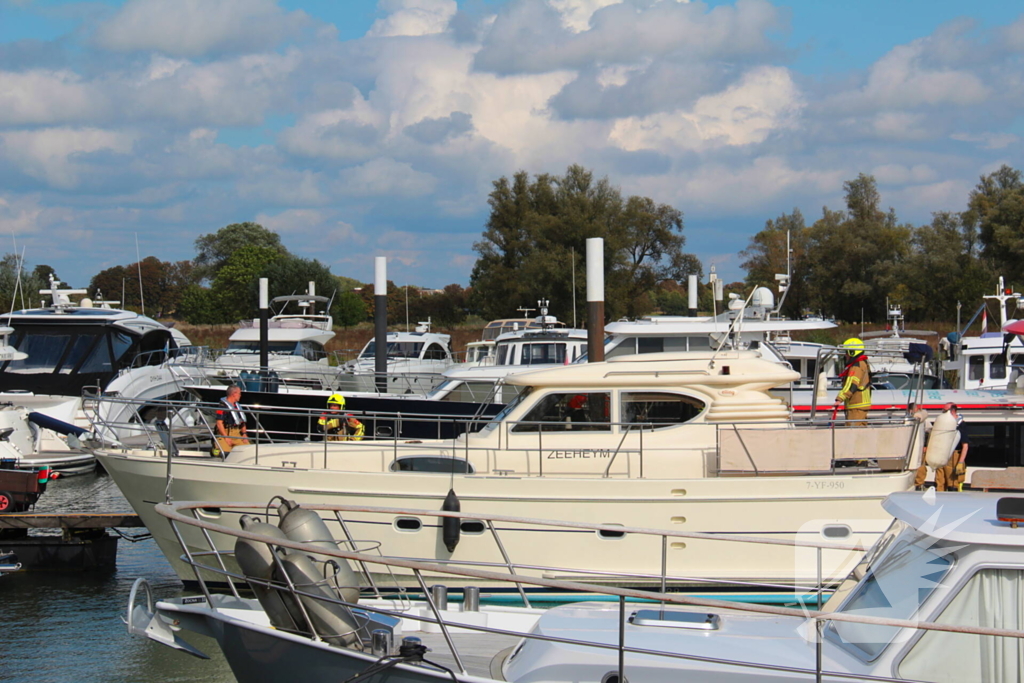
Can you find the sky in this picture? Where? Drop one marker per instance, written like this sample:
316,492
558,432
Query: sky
358,129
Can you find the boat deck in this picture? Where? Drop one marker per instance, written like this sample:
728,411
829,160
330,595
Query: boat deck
476,649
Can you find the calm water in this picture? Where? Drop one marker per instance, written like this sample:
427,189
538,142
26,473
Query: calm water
57,628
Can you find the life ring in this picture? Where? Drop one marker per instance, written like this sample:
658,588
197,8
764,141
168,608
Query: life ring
943,441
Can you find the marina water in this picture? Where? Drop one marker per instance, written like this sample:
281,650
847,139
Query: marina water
66,627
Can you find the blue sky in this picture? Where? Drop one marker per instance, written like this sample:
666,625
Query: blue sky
362,128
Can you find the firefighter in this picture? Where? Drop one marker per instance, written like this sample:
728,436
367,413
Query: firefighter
339,426
855,396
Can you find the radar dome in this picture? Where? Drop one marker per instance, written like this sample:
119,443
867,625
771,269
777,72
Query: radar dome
763,297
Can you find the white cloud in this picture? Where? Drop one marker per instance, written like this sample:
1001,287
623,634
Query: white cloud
576,13
39,96
764,100
383,177
192,28
316,225
52,155
988,140
413,18
898,174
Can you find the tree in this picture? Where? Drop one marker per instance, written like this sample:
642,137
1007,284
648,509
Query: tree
214,250
233,286
535,239
349,310
290,274
18,287
162,285
943,268
766,256
854,258
996,211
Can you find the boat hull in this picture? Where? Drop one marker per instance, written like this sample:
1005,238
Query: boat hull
781,507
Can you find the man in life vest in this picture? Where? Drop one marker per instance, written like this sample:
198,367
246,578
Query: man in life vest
855,396
230,425
339,426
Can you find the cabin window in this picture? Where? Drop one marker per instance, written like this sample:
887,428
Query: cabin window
997,367
990,599
976,368
253,346
98,360
895,587
431,463
79,347
44,352
502,355
395,349
312,351
659,410
536,353
577,411
435,352
650,344
993,444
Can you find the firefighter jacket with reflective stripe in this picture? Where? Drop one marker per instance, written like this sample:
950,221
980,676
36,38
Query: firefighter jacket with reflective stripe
856,392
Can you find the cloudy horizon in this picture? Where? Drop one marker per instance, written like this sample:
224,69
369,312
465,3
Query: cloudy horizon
362,128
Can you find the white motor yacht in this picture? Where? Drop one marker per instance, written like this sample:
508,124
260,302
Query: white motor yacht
415,362
68,348
986,361
295,344
690,441
937,598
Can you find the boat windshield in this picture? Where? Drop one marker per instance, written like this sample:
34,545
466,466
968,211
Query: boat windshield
493,424
285,348
395,349
893,588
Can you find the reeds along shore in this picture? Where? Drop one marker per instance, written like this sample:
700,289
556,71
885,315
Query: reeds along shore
350,340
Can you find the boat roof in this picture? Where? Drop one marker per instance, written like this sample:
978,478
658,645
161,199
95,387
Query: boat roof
664,369
958,517
417,337
87,315
486,373
661,327
279,334
549,334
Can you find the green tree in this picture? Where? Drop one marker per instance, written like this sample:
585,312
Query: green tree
350,309
996,210
214,250
232,288
535,239
765,257
197,306
854,258
162,284
18,287
944,267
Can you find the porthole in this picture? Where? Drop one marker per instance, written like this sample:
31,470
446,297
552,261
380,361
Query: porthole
408,524
611,535
836,531
472,526
613,677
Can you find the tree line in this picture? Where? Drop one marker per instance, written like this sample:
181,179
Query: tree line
845,264
848,261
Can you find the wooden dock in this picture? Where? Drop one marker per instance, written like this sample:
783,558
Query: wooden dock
84,543
85,520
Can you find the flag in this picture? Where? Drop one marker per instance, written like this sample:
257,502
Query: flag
984,322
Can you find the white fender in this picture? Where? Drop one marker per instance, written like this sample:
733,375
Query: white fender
943,441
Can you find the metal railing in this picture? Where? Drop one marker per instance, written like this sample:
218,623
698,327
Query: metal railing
520,448
188,514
